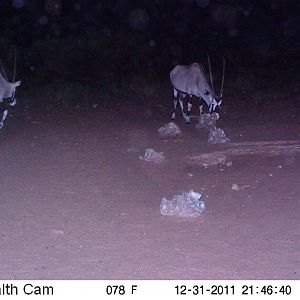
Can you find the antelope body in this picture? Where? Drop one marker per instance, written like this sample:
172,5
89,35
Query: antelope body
7,90
189,80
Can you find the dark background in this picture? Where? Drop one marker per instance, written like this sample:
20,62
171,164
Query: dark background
114,40
76,202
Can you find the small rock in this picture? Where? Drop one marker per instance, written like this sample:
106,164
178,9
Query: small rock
217,136
153,156
235,187
169,129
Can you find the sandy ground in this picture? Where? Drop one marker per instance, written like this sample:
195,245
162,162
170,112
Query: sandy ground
77,203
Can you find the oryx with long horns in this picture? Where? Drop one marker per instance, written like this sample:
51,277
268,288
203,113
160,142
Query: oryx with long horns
7,91
190,80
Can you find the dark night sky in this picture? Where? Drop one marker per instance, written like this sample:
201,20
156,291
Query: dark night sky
162,32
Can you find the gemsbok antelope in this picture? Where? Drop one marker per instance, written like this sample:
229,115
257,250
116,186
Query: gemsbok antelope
189,80
7,90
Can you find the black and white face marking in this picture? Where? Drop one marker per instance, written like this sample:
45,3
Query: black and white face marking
13,101
214,105
4,115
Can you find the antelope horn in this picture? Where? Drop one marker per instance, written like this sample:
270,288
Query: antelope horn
15,66
223,76
210,75
3,70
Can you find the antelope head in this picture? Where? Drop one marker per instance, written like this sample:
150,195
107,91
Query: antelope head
216,99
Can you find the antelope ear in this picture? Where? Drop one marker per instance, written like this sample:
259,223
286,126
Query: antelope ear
220,102
18,83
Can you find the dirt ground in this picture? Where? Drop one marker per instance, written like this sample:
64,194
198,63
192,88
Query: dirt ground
76,202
